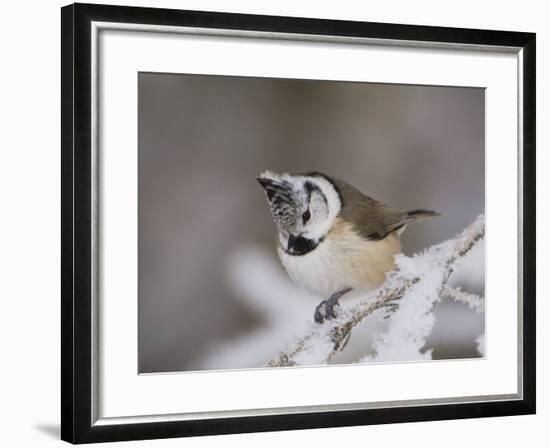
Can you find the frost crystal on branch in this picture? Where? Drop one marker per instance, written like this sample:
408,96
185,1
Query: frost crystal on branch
409,293
473,301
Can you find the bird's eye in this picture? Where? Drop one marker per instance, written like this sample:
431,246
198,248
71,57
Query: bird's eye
306,216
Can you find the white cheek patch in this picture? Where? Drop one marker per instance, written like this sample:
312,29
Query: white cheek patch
324,207
318,207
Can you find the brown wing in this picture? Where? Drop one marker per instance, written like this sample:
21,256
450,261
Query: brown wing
371,218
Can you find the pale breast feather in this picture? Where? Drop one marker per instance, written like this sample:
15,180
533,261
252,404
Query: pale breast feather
343,260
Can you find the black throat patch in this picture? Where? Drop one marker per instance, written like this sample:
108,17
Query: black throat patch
302,246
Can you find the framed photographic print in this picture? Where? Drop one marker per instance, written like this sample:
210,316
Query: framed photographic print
274,223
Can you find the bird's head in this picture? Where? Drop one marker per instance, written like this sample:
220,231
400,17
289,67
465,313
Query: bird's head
303,206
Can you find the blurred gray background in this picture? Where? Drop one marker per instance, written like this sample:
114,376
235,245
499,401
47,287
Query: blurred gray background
204,139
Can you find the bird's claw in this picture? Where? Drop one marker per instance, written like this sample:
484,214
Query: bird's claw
326,310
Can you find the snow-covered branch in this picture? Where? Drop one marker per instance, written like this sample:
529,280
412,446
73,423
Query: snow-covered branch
408,294
473,301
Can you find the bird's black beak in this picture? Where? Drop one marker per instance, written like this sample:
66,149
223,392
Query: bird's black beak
291,242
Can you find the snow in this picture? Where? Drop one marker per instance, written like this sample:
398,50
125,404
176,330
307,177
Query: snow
414,320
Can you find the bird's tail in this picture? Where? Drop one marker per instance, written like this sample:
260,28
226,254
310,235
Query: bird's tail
418,215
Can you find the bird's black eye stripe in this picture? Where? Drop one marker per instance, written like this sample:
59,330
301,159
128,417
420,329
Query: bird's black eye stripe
306,216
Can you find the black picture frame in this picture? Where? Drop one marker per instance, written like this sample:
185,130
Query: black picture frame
76,218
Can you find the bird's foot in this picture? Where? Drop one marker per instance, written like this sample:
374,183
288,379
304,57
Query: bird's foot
328,309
